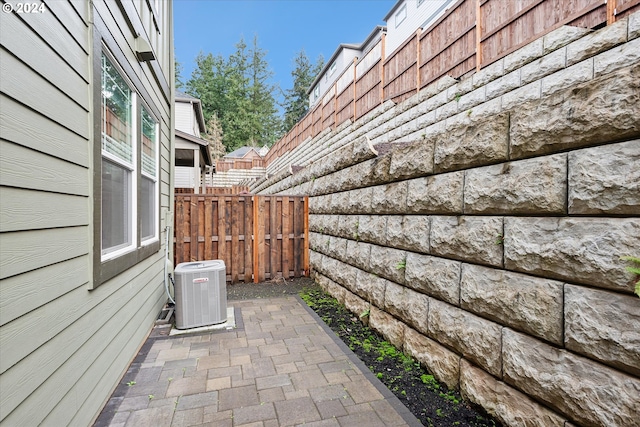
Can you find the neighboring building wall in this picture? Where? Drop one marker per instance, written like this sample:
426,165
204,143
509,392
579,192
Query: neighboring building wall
341,59
488,247
407,16
186,119
68,333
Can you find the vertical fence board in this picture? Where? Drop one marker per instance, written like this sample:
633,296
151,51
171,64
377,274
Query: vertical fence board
257,237
285,237
235,238
248,239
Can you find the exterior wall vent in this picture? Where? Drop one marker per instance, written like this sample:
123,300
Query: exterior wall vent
201,294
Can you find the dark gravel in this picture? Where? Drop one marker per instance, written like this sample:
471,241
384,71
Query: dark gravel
269,289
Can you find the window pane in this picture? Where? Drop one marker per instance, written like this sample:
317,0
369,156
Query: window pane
116,207
149,143
147,208
116,114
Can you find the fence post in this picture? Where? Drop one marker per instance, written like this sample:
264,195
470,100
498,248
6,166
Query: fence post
382,58
256,261
478,36
611,11
418,32
305,256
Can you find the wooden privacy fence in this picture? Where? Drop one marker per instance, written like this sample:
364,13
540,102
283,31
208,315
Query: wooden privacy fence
469,36
258,237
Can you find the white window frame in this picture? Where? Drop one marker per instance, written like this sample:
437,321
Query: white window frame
401,15
132,167
156,179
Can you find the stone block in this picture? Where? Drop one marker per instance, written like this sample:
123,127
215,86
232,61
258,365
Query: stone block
408,232
529,304
523,55
358,254
507,404
634,26
348,226
605,179
434,276
373,229
585,391
387,326
407,305
389,198
316,241
548,64
388,262
604,109
616,58
534,186
596,42
356,305
337,247
472,99
504,84
579,250
478,143
435,101
489,73
319,204
477,339
436,194
604,326
371,288
380,169
444,364
447,110
562,37
516,97
567,78
413,159
358,201
344,274
467,238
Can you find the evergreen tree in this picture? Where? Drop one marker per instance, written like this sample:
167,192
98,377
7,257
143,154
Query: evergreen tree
296,100
214,136
178,72
238,91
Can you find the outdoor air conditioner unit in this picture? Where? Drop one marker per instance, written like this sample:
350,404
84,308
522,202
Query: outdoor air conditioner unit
200,294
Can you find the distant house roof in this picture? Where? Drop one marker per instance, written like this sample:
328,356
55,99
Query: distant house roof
183,97
241,152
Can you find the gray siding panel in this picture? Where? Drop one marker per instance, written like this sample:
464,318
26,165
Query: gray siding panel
64,347
34,51
39,95
24,293
22,167
20,125
26,209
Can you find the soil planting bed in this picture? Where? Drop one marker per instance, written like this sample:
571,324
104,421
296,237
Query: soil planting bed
429,401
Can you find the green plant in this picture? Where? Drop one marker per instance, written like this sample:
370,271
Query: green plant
633,269
439,412
457,97
499,239
130,383
469,112
379,375
401,265
151,396
365,313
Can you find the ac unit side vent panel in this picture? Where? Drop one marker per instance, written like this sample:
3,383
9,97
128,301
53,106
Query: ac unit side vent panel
201,294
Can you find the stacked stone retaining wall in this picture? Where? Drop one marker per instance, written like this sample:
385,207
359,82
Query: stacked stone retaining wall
488,244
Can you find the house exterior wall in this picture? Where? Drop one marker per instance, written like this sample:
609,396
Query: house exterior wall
343,60
186,118
416,14
65,342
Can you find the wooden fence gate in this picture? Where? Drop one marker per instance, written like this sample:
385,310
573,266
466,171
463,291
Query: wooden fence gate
258,237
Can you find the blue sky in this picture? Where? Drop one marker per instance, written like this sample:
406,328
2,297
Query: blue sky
283,28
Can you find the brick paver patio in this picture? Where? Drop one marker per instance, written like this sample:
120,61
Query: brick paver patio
280,366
